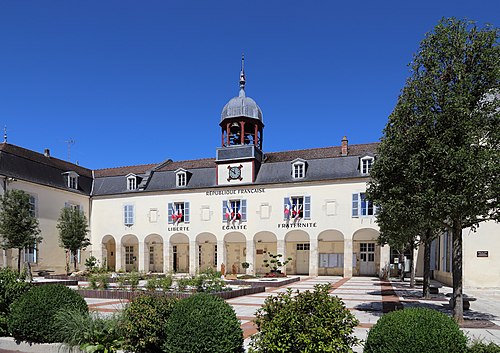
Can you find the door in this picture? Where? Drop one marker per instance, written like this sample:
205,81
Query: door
174,258
367,259
302,260
152,259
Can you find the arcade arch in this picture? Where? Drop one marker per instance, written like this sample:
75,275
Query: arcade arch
366,252
297,245
108,245
130,252
265,242
235,248
331,253
207,251
179,252
153,253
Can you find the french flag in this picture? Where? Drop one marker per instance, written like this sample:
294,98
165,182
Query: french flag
179,215
229,213
287,209
297,212
237,215
174,214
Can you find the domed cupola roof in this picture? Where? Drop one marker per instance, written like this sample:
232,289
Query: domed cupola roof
241,106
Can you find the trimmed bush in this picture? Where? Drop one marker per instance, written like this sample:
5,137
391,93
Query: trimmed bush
145,321
12,287
203,323
32,315
306,321
416,330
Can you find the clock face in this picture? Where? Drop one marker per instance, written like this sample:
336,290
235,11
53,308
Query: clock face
234,172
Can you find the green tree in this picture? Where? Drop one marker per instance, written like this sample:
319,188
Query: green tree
401,184
18,225
72,226
451,105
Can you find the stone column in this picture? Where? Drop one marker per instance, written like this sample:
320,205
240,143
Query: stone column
281,249
250,258
142,258
167,266
193,257
348,255
221,254
385,257
118,257
313,256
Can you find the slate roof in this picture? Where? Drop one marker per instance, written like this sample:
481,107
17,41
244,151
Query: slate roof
23,164
321,164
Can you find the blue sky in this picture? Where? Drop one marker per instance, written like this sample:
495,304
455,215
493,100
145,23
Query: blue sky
136,82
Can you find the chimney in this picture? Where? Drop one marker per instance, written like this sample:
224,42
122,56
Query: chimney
46,153
344,147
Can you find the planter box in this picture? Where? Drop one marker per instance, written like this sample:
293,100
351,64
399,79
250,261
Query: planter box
123,294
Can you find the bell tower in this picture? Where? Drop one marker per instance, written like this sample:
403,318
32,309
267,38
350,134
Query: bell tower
239,157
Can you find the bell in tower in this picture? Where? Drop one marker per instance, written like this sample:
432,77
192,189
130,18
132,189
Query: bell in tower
240,156
241,119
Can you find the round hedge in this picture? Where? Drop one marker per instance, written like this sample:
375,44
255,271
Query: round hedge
415,330
145,321
203,323
32,315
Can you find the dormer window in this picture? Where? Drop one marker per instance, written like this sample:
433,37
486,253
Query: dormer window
181,178
298,169
131,182
366,165
71,180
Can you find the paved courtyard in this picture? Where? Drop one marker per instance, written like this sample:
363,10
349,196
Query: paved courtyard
367,298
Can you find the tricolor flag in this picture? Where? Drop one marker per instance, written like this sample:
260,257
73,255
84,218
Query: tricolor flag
174,214
178,214
288,207
237,215
229,213
296,213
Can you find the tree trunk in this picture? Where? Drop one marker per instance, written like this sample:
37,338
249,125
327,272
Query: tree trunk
19,261
67,261
402,264
75,259
412,267
457,302
427,265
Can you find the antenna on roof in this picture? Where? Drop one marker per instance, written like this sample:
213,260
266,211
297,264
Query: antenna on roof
69,142
5,134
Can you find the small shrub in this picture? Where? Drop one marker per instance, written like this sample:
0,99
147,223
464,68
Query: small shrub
32,315
307,321
416,330
145,321
12,287
99,281
481,347
91,263
203,323
165,283
151,284
98,334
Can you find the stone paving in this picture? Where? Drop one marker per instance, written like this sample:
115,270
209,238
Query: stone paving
367,298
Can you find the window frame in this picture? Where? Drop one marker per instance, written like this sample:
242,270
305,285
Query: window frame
128,215
298,169
366,165
132,182
230,205
362,207
181,179
71,180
